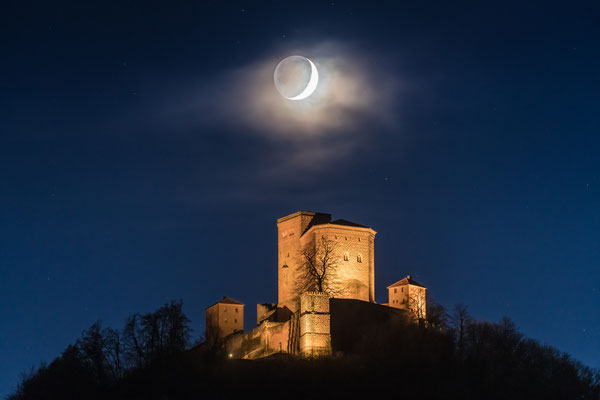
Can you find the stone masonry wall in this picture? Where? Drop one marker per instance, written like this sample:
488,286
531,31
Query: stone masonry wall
289,232
354,277
315,336
355,272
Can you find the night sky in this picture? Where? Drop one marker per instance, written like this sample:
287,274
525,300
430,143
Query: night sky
139,164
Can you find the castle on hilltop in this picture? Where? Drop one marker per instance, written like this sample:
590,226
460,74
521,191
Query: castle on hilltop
326,281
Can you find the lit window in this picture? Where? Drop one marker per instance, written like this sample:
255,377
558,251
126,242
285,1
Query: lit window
359,258
346,256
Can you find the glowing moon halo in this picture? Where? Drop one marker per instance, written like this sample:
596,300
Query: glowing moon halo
296,77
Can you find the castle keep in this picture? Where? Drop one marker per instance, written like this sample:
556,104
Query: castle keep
302,319
354,243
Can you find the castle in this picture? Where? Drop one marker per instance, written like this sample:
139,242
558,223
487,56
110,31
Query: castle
324,267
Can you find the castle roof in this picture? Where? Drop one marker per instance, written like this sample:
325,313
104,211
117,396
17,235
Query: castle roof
319,218
347,223
322,219
406,281
227,300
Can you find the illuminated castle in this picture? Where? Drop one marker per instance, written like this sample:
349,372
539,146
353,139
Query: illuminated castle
301,321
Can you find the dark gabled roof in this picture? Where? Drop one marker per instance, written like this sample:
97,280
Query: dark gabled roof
324,219
318,219
347,223
406,281
227,300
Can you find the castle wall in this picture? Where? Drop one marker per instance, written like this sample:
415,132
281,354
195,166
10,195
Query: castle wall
289,231
355,324
264,311
354,278
315,321
265,339
398,296
276,336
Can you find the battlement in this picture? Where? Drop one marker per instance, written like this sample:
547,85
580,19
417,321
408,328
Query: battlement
296,214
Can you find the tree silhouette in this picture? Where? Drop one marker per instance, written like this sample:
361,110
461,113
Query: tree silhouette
318,264
459,321
150,336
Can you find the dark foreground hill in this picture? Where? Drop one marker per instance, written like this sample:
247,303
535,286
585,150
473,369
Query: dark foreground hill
400,359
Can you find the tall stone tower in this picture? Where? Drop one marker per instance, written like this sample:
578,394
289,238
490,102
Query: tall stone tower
354,243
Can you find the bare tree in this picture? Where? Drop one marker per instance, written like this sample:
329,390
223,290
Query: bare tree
150,336
460,320
318,264
133,342
417,303
113,351
436,315
91,346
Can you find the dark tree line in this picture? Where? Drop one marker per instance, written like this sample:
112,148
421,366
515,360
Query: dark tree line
102,356
449,355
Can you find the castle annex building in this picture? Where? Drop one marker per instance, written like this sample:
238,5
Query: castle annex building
326,280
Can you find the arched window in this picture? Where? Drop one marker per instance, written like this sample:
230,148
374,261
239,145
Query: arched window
359,258
346,256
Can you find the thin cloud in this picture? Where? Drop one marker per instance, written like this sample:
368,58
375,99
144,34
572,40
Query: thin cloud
356,99
350,95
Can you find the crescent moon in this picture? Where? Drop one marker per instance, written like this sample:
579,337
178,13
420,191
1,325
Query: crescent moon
312,83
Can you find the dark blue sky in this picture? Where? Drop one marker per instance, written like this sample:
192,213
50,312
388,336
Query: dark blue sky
486,187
